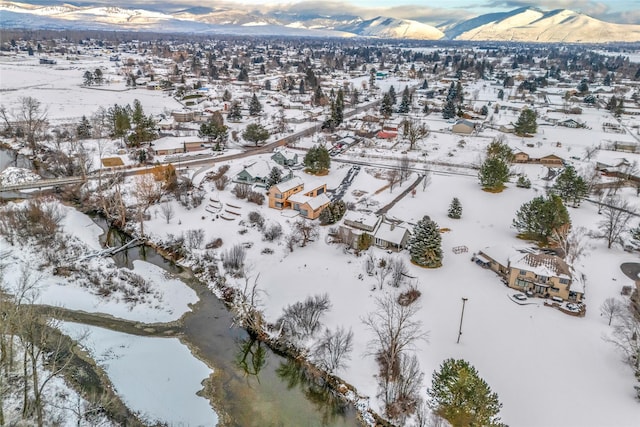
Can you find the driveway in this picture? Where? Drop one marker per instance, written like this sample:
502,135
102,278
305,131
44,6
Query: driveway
631,270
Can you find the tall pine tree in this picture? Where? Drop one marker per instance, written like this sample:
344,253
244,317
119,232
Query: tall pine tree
425,244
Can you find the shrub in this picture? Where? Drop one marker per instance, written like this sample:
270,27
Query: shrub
233,259
257,219
241,191
409,297
255,197
221,182
273,232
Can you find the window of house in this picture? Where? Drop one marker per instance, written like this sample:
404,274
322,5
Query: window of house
278,196
542,278
278,204
296,206
523,272
564,281
555,289
304,212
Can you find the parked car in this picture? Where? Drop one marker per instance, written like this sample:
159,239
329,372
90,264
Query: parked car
520,297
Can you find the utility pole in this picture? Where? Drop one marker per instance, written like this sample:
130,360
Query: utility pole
464,300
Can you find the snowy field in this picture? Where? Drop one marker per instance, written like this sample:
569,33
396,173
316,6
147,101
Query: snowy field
156,377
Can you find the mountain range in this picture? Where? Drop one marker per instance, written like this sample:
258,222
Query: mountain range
527,24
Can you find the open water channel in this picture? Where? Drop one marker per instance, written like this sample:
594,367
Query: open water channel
251,384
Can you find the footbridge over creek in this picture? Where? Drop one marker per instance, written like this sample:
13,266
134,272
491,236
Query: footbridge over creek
43,183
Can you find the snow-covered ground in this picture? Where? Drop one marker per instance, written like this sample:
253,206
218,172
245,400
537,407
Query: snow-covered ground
156,377
548,368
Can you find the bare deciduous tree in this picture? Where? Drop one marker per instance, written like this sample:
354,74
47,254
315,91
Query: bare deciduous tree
167,212
617,213
193,238
399,271
395,330
611,308
572,243
306,230
147,191
426,179
332,351
247,306
403,168
302,319
393,177
414,131
626,337
33,120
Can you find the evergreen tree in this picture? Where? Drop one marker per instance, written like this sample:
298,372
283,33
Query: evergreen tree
88,78
501,150
215,132
484,110
455,209
97,76
449,110
459,93
226,96
386,106
317,159
405,104
275,176
318,97
460,396
451,94
570,186
540,217
267,84
144,127
523,182
526,123
235,112
501,94
392,95
301,86
255,107
425,244
425,109
83,131
425,85
243,75
583,86
494,173
332,213
255,133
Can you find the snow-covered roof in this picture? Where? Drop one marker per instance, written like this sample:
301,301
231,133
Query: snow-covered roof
290,184
390,233
500,254
541,264
313,202
368,220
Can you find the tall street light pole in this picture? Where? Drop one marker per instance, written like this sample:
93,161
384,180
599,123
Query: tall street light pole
464,300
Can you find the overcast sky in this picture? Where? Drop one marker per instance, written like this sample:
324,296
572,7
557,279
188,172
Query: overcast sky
429,11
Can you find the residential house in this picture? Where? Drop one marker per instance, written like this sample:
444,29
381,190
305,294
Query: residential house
257,173
291,195
463,127
390,235
354,224
175,144
521,157
285,158
542,274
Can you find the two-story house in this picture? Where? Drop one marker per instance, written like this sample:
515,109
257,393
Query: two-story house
545,275
291,195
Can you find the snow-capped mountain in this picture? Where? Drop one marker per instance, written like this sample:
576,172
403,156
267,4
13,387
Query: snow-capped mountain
534,25
392,28
522,25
